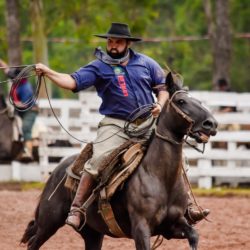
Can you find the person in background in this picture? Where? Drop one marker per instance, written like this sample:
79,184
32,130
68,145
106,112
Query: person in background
22,94
223,86
125,80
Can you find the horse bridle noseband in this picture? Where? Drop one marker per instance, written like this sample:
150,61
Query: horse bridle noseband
191,122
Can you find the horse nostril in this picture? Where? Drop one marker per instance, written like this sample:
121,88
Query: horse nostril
208,124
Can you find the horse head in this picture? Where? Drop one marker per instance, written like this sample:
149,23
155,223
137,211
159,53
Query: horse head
184,115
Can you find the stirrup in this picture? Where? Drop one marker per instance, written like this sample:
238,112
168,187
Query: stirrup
82,218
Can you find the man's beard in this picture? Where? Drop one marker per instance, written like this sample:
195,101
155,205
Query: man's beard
115,54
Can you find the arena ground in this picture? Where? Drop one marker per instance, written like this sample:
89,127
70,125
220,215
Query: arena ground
229,227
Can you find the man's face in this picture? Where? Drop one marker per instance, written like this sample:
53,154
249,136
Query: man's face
117,47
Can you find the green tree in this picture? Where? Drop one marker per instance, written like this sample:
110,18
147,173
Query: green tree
75,22
40,48
13,32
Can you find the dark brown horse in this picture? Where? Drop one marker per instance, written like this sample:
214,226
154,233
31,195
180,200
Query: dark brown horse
153,200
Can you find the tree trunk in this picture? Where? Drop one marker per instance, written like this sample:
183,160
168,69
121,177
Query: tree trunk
220,36
13,32
223,42
40,47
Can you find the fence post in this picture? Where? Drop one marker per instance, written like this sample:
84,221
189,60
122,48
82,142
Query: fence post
204,167
16,170
43,157
65,116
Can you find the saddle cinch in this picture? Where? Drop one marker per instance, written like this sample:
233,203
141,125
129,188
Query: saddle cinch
114,171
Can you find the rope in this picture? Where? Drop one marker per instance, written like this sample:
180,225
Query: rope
18,66
17,81
143,112
192,193
79,140
58,185
139,112
158,241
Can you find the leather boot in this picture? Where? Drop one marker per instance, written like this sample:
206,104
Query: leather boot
26,154
77,215
193,216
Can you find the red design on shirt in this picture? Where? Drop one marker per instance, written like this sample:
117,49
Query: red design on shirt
14,94
122,83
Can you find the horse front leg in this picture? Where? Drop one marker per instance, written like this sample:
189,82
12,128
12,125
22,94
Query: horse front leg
192,237
93,239
140,233
184,231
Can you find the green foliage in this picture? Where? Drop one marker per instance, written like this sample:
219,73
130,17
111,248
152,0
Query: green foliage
190,18
3,42
77,21
240,15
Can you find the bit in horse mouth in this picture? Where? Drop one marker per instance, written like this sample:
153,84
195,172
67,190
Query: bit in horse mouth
203,137
200,137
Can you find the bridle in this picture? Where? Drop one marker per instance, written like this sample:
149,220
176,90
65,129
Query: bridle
171,104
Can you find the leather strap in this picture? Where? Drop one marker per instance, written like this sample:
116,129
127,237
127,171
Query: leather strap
108,215
131,153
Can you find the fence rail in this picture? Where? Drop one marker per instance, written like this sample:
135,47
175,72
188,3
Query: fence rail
225,161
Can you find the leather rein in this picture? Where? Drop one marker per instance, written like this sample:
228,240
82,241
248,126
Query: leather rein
185,117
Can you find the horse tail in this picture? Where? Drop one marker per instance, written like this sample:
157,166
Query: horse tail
36,234
31,229
29,232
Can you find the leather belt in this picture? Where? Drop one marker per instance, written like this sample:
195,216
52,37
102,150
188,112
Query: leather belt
139,121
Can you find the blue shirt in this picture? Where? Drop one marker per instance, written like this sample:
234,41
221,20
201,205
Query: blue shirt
121,88
24,92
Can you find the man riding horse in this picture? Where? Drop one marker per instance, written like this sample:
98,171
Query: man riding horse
125,80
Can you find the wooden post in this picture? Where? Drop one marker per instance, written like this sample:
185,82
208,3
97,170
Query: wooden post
16,171
205,180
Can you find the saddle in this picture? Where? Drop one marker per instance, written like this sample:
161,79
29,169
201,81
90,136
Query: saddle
114,171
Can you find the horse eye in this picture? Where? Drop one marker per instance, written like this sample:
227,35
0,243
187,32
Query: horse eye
181,102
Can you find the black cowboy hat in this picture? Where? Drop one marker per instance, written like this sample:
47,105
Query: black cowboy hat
119,30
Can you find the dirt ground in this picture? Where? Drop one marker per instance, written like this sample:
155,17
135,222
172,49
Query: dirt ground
229,227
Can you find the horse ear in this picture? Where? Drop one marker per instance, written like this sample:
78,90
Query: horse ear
170,85
169,80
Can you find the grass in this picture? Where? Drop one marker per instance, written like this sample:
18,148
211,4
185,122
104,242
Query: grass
21,186
222,192
32,185
213,192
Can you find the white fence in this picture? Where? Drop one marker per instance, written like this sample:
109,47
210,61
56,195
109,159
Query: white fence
226,159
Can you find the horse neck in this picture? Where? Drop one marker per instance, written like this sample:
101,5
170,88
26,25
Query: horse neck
171,125
164,158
